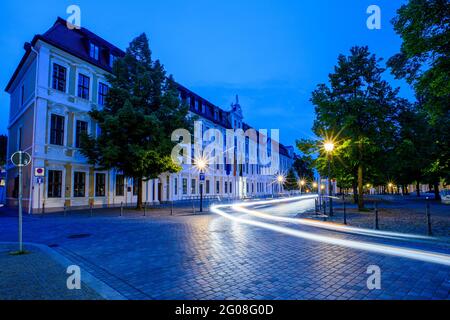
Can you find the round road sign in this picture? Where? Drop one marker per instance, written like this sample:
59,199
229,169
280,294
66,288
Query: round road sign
20,159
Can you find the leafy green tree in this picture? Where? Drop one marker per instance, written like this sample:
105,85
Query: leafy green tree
304,167
424,61
358,107
413,146
291,182
142,109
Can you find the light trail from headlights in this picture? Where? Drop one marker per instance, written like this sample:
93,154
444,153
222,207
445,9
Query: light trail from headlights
328,226
415,254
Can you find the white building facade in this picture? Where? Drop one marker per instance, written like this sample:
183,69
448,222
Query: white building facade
60,78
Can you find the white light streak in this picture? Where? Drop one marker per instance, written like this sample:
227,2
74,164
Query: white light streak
359,245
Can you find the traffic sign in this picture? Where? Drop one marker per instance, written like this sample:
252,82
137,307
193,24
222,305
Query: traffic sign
202,176
39,172
39,180
20,159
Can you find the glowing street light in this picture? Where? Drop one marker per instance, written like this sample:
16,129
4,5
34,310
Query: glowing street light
328,145
280,179
391,186
302,183
201,164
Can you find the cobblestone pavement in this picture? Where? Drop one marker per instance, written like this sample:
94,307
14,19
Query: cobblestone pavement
36,276
209,257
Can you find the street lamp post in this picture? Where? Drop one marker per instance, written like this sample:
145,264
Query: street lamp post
201,165
329,147
302,183
280,180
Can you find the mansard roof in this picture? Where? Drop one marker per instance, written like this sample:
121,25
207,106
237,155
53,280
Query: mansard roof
77,41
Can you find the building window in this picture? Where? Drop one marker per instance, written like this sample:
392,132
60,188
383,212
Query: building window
217,187
81,128
54,184
184,186
59,77
112,59
79,184
207,187
100,180
93,51
231,187
15,193
175,186
192,186
57,130
102,92
226,188
83,86
120,184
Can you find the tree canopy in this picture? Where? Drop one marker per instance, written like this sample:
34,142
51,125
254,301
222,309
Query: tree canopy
141,111
424,61
358,109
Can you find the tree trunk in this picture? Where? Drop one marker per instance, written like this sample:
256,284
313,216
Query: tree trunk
360,187
355,191
139,193
418,189
437,196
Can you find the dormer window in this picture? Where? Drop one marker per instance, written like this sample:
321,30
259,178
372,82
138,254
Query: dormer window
93,51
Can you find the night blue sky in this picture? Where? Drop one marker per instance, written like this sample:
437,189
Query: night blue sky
271,53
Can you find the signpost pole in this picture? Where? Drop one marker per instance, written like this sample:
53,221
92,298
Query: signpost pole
20,203
39,197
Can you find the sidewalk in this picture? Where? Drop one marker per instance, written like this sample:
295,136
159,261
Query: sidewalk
36,276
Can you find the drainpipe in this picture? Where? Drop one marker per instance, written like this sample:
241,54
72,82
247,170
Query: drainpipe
30,201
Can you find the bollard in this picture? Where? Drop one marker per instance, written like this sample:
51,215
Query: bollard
315,206
193,207
324,207
376,216
121,208
428,218
171,208
65,208
90,208
145,209
345,214
43,209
